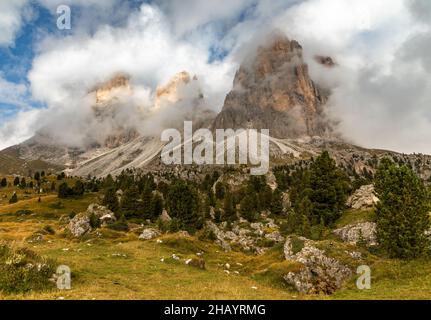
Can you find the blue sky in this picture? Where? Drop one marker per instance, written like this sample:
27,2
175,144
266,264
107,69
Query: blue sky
16,59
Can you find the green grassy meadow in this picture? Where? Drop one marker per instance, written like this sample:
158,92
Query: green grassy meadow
114,265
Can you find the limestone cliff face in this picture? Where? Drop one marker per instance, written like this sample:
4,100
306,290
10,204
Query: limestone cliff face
274,91
112,88
177,89
182,96
108,99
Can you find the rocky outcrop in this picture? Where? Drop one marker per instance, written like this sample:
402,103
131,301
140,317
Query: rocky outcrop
184,93
183,234
107,91
164,217
363,198
174,90
198,263
325,61
354,233
273,90
81,223
320,274
271,181
275,236
286,201
105,216
149,234
255,237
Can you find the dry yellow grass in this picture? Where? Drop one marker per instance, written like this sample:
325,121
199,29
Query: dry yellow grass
119,266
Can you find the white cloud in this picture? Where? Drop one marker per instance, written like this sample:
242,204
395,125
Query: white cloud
13,94
21,128
144,49
382,88
11,19
66,69
53,4
186,15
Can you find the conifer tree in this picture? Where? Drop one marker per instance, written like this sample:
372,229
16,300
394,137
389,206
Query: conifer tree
207,183
23,183
14,198
256,183
206,208
3,183
130,204
94,221
16,182
64,191
220,190
328,190
110,200
265,197
182,203
305,210
211,198
147,204
277,202
78,189
249,207
229,209
402,212
157,206
109,182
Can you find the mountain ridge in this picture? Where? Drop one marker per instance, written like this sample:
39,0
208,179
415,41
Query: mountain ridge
272,90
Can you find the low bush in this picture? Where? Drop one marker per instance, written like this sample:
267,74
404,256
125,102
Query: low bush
206,234
120,225
49,230
24,212
22,270
57,205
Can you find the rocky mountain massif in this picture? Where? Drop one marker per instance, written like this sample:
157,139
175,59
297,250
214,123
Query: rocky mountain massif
272,89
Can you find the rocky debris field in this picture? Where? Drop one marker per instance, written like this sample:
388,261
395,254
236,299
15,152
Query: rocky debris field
319,274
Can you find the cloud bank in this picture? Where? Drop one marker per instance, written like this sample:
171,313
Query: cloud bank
12,15
381,87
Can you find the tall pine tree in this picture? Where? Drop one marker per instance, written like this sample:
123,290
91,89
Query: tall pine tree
249,207
147,204
157,206
328,190
277,202
182,204
110,201
229,209
131,205
402,212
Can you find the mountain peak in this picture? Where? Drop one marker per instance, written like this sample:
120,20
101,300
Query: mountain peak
273,90
181,86
269,58
109,89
